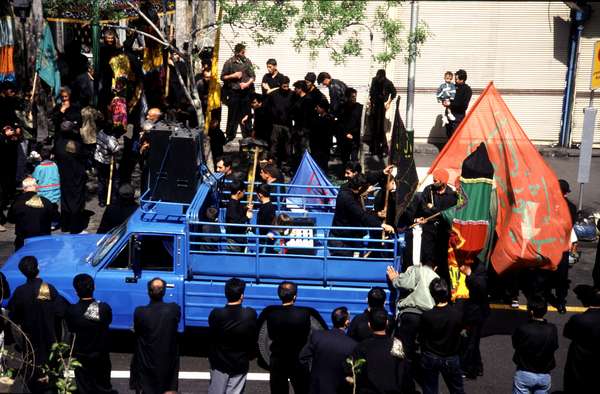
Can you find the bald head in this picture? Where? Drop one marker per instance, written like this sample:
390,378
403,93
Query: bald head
154,114
29,184
156,289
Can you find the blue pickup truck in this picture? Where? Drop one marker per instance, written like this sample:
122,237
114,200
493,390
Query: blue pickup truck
195,258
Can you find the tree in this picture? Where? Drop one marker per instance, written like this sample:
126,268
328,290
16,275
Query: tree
343,27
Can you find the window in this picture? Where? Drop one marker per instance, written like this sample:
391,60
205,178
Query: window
154,252
121,260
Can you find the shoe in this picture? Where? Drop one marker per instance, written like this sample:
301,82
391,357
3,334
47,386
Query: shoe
561,308
2,228
514,303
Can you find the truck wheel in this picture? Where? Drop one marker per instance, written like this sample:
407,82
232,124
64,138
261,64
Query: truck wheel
264,343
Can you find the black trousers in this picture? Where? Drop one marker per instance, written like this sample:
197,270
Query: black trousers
407,331
128,161
559,282
282,370
470,356
378,145
348,151
280,143
237,107
453,124
299,144
93,377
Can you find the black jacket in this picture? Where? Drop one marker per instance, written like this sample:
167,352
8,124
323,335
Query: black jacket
232,333
535,343
382,372
583,363
461,101
38,313
155,362
350,123
327,352
288,327
349,212
280,104
32,215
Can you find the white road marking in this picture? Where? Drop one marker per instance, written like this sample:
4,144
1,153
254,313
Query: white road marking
185,375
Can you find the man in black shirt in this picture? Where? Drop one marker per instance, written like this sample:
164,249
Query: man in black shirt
89,321
155,362
236,213
31,214
476,309
382,371
459,105
559,280
259,122
238,79
232,333
272,79
312,91
583,363
359,327
36,307
349,127
321,134
436,231
326,352
439,335
350,212
303,112
535,343
279,102
288,327
266,213
337,92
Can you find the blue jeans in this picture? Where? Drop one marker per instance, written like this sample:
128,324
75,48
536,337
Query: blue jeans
449,367
530,382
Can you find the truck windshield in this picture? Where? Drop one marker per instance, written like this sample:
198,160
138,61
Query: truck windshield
106,243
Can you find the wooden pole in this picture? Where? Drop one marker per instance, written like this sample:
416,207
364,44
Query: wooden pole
426,219
168,78
34,88
252,176
110,180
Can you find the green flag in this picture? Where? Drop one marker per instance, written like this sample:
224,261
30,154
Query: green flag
45,63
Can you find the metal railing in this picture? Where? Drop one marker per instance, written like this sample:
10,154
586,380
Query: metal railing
321,244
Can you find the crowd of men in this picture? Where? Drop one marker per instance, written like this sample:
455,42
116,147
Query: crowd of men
372,352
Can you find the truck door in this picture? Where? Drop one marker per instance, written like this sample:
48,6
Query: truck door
122,282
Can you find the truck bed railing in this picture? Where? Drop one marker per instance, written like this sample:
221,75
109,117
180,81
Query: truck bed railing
165,211
319,245
281,197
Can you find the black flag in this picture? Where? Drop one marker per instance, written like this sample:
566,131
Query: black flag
401,155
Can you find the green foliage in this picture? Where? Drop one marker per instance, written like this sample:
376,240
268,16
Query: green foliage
342,27
356,367
57,369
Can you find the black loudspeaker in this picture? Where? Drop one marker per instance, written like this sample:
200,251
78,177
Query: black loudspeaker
173,163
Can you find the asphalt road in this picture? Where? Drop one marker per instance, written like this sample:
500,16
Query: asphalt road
496,350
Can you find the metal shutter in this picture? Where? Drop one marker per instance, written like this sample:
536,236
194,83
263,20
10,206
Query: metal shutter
591,34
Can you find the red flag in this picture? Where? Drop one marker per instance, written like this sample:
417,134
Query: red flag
533,223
